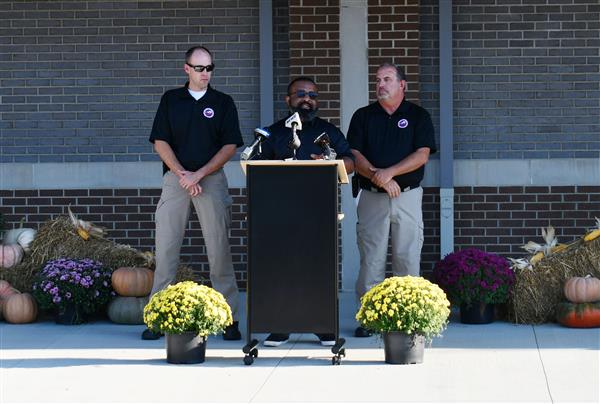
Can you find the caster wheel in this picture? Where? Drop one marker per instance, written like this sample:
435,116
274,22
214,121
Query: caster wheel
254,353
248,360
336,360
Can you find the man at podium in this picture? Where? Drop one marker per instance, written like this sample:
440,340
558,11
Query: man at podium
302,98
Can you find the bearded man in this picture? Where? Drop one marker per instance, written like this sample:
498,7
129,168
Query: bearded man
303,98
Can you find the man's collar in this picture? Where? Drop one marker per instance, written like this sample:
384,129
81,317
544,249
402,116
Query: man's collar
185,93
403,107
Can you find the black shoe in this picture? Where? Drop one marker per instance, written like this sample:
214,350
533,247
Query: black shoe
149,334
362,332
326,339
276,339
232,332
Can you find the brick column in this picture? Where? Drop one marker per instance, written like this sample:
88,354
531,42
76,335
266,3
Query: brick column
315,50
393,33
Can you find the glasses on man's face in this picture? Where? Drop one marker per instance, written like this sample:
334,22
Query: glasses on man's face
302,93
200,68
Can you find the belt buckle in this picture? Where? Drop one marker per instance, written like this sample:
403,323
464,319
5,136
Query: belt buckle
406,189
374,189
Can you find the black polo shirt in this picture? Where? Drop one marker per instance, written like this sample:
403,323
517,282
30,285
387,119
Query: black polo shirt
196,130
387,139
276,146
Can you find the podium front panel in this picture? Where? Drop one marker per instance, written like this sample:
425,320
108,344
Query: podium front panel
292,249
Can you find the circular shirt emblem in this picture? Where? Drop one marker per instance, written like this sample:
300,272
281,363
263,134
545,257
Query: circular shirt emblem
402,123
208,112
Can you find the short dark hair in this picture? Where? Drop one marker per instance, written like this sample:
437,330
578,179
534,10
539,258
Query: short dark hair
297,79
190,52
399,70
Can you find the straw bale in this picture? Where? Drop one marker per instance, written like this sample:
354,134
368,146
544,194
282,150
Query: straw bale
538,291
58,239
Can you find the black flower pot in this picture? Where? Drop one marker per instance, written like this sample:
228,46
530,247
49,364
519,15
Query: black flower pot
186,348
401,348
477,313
69,315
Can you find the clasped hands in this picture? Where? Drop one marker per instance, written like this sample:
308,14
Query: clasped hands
189,181
383,178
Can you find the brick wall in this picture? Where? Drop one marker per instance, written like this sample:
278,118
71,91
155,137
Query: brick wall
527,77
81,80
501,219
495,219
315,50
393,34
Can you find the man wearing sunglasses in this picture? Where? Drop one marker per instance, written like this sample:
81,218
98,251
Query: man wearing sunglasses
391,140
195,132
303,98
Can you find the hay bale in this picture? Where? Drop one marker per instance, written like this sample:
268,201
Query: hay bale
57,239
538,291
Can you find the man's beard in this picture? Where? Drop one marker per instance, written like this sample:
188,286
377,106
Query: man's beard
383,95
306,115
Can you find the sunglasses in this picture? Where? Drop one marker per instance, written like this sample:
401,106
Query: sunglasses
200,68
311,94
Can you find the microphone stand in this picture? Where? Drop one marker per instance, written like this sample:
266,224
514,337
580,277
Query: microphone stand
295,140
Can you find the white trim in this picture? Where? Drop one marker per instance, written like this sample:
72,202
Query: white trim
148,174
354,93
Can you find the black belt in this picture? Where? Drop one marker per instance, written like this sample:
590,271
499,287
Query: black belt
381,190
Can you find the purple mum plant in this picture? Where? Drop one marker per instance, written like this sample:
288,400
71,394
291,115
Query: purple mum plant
471,276
81,282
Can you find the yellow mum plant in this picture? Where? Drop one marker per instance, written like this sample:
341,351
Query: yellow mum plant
187,306
409,304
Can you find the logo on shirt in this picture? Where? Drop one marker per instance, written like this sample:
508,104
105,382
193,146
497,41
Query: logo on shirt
208,112
402,123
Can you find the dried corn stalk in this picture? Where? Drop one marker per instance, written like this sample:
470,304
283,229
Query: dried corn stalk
593,233
85,229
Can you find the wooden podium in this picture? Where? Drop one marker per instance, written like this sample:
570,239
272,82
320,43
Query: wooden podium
292,248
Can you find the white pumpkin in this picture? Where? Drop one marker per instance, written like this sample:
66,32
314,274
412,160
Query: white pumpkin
26,238
21,236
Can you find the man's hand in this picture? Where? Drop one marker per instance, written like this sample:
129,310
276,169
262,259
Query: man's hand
392,188
189,181
317,156
196,190
381,176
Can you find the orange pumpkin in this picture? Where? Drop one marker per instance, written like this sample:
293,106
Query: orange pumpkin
578,315
582,290
133,282
20,308
10,255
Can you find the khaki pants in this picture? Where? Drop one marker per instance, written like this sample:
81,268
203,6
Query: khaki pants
377,215
213,207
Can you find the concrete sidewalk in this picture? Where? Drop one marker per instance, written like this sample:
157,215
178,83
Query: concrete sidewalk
105,362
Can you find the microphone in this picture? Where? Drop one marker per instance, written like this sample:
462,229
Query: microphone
323,142
260,136
295,123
